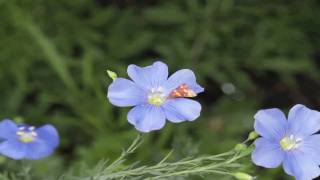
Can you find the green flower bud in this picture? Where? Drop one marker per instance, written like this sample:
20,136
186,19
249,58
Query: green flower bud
19,119
2,159
240,147
253,135
112,75
242,176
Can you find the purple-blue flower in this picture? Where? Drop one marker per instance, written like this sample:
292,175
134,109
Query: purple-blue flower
27,142
156,97
292,143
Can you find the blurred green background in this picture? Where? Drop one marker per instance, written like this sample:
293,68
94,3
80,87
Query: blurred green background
248,54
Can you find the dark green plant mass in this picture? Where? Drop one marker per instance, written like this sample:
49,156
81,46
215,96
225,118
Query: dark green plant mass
248,55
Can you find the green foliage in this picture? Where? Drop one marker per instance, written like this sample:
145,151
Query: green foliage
54,56
221,164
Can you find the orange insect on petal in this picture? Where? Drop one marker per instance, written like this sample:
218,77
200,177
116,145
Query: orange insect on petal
183,91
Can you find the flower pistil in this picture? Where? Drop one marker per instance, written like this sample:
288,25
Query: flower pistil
290,142
157,96
27,134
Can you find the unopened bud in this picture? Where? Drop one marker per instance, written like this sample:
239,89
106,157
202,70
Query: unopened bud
19,119
242,176
2,160
240,147
112,75
253,135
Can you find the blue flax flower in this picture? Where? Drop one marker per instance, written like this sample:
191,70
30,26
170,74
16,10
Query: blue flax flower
292,142
27,142
155,96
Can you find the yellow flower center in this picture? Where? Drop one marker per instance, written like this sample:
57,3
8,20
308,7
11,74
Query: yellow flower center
157,96
26,135
289,143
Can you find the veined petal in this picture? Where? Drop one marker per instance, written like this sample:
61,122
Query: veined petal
267,154
147,118
303,121
311,146
49,135
181,109
287,165
270,123
123,92
8,129
38,149
150,76
184,76
13,149
301,165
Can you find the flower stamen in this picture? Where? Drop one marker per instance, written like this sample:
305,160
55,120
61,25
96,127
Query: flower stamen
157,96
290,142
27,135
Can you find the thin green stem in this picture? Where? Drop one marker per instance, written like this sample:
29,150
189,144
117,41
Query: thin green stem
25,170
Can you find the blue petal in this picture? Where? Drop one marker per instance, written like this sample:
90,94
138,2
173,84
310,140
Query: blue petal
149,77
147,118
303,121
267,154
286,164
8,129
182,109
13,149
38,149
311,146
49,135
270,123
123,92
300,165
184,76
